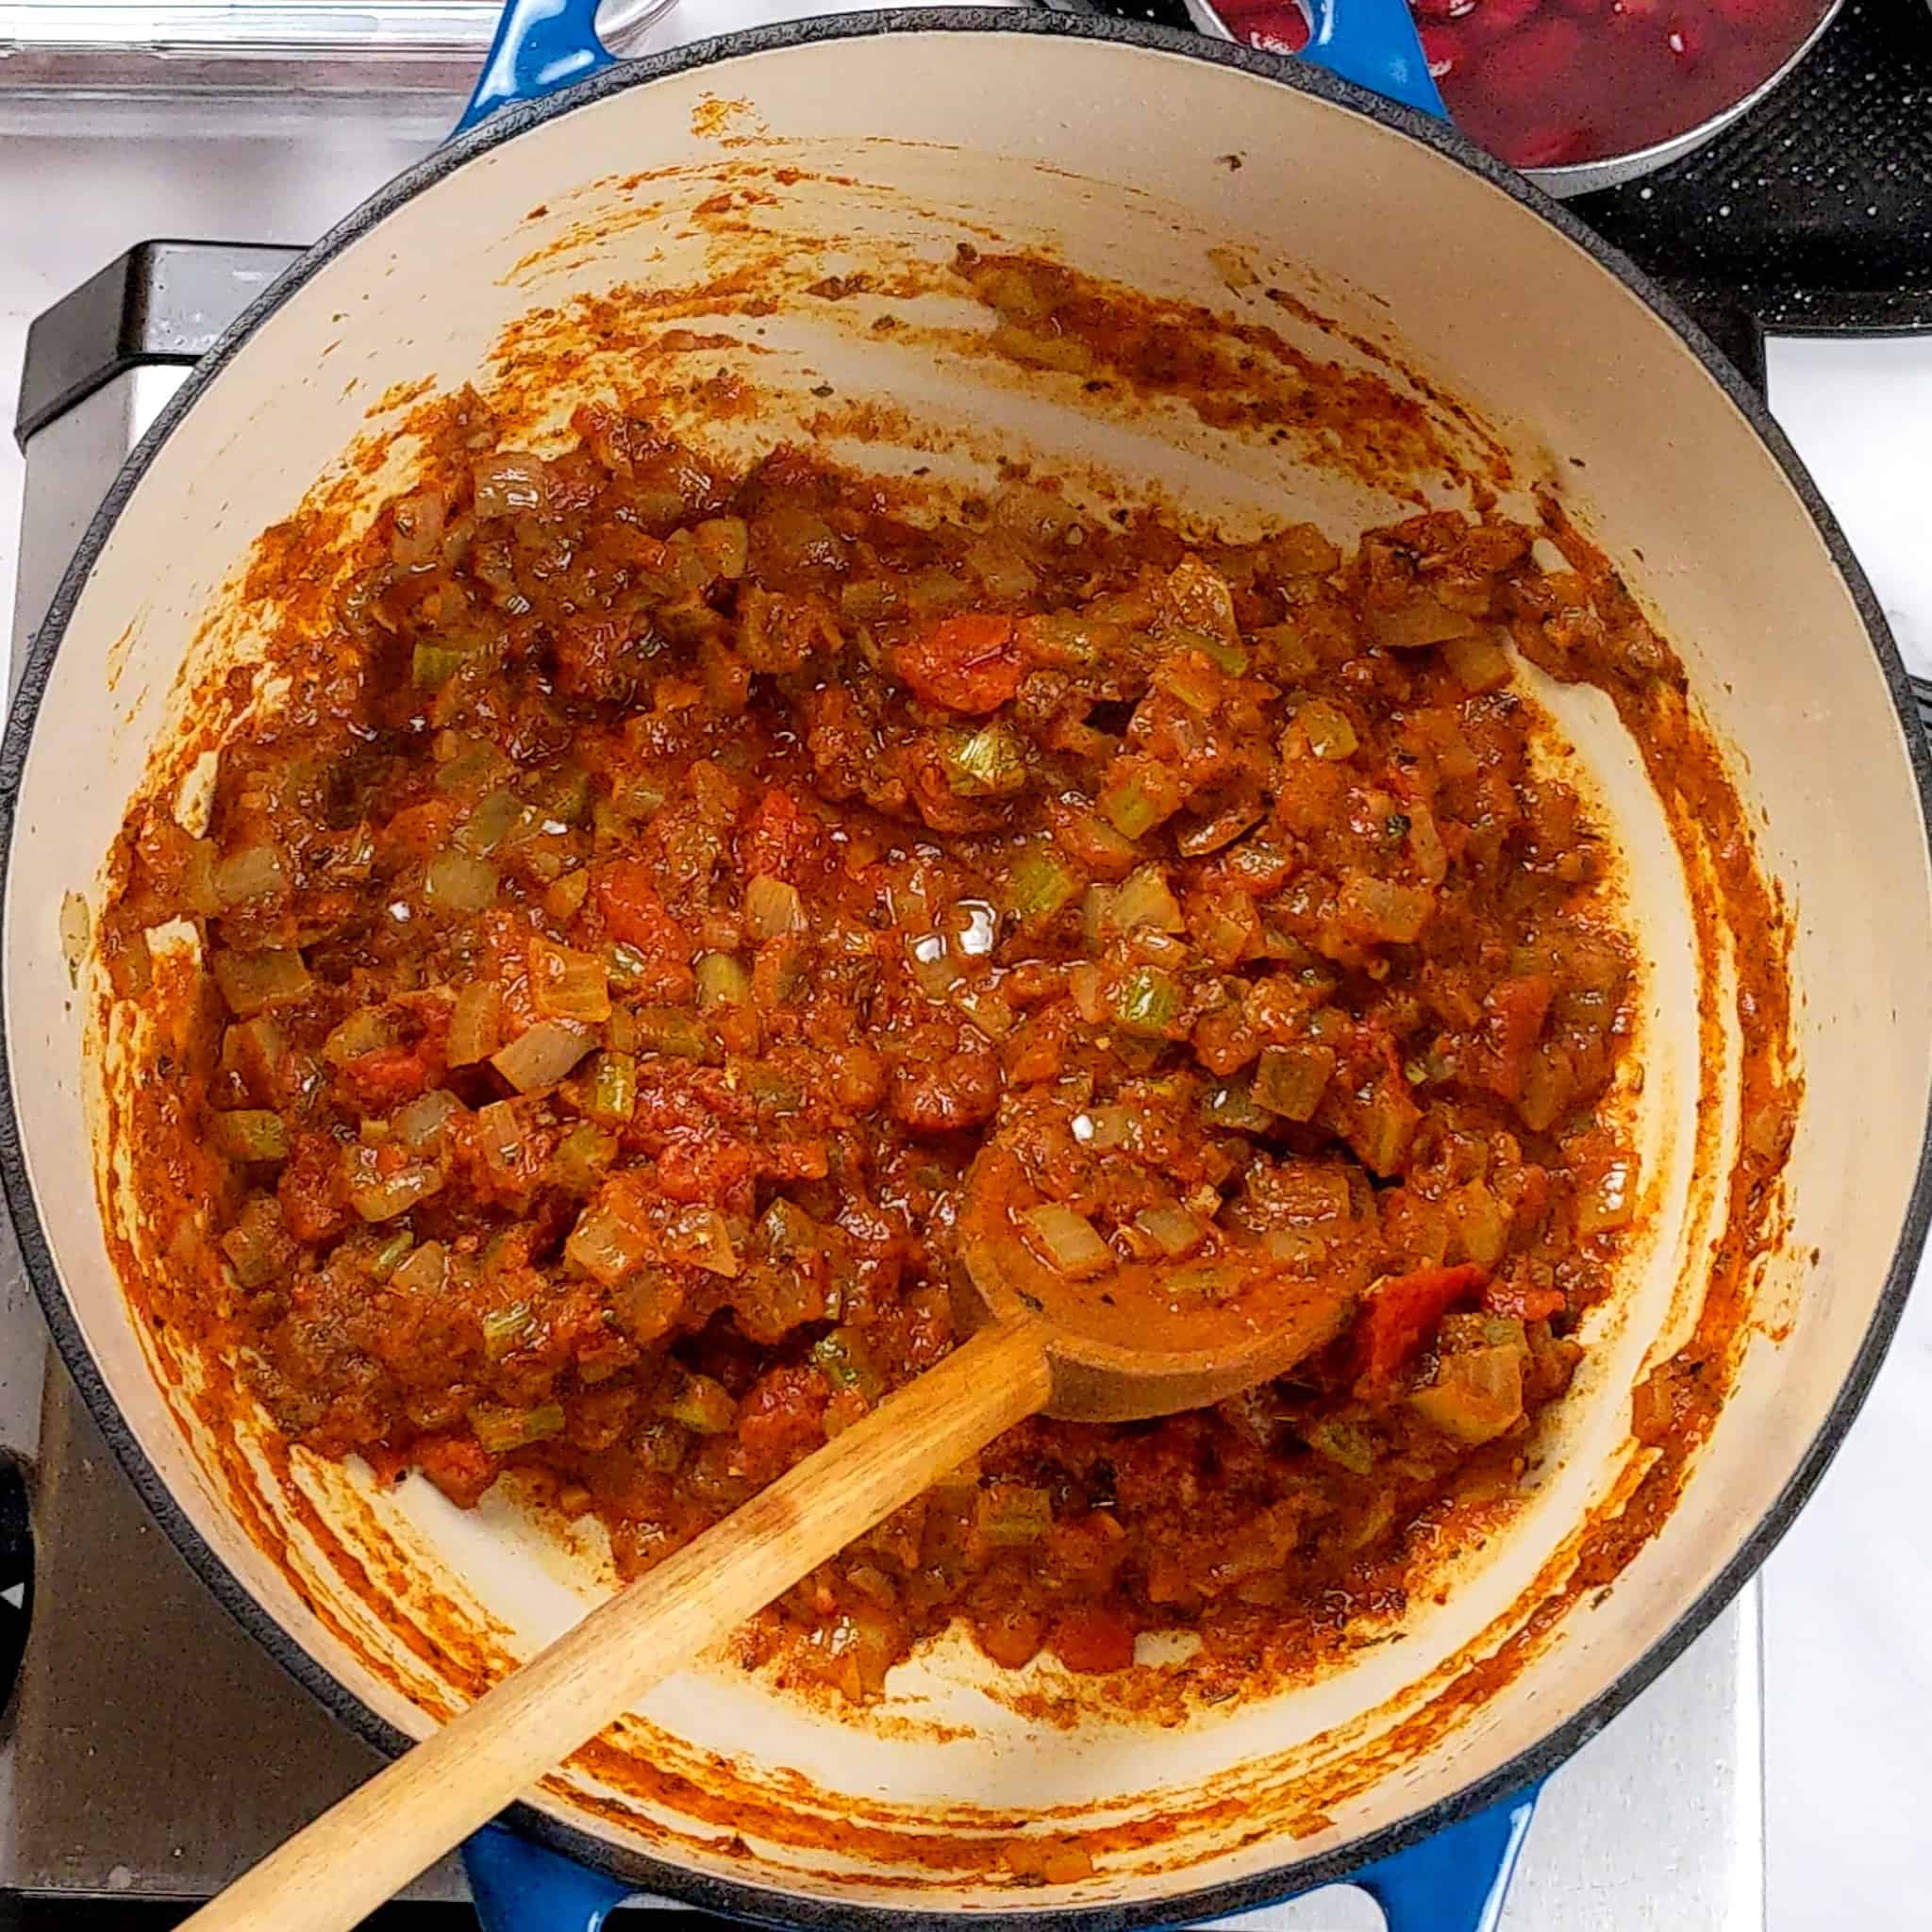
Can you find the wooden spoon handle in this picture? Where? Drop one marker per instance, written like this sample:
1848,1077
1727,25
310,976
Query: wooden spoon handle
336,1871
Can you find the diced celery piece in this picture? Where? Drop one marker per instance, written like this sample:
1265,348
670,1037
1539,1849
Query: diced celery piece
252,1133
611,1093
500,1430
1290,1080
1040,885
1147,1003
987,763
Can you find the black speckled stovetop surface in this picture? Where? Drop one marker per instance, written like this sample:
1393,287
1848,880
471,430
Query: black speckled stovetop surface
1814,211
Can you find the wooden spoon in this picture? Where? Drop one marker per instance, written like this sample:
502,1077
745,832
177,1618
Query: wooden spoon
1042,1344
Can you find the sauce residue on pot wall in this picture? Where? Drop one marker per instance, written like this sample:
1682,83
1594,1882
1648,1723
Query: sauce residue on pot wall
1129,359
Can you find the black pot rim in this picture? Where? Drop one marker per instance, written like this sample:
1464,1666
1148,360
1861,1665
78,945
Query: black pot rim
733,1898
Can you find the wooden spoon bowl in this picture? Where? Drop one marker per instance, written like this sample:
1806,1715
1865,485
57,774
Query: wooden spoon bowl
1040,1342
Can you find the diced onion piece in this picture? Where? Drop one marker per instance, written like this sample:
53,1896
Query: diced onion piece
391,1252
1481,1221
1425,844
583,1157
1302,550
1328,729
1147,1003
1096,917
457,882
1089,840
1229,655
1039,885
1013,1514
703,1406
567,984
1233,1104
257,1245
722,980
250,981
498,815
1380,910
699,1238
788,1231
1420,621
417,536
1138,794
1290,1080
771,908
1146,899
385,1196
1192,675
432,664
1066,1240
1346,1445
1003,573
254,873
987,1010
475,1022
1176,1231
542,1056
672,1031
987,763
420,1125
1199,597
500,1430
1087,988
1108,1127
252,1133
611,1095
609,1239
1291,654
422,1273
1479,664
1212,1281
472,769
1386,1126
561,792
1607,1200
1463,1330
511,483
724,544
364,1031
1477,1395
1210,831
932,964
499,1133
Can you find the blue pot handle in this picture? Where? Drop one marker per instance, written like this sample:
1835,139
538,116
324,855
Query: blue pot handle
541,46
1453,1881
1374,43
1456,1879
520,1887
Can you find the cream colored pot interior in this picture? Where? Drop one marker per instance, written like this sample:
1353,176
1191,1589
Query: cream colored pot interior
1156,169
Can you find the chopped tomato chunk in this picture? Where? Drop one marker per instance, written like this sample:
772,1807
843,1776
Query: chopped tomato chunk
1402,1314
965,664
1514,1015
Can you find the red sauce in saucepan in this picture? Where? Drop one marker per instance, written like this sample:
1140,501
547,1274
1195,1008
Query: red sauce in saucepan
1545,83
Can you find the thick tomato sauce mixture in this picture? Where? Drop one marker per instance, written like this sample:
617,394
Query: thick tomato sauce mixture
660,888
